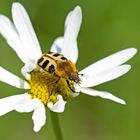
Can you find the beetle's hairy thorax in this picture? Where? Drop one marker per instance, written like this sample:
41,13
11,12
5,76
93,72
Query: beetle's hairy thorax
47,86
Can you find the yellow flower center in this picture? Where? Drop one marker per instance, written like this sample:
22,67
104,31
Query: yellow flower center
46,87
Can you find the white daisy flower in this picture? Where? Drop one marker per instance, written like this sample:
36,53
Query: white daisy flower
51,78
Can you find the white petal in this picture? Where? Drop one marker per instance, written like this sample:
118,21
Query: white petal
75,94
68,18
26,31
28,105
102,94
73,23
73,56
77,87
8,104
77,90
39,117
9,32
59,106
28,67
109,62
57,45
90,81
12,79
67,45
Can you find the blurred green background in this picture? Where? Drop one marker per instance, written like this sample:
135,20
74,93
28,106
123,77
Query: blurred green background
108,26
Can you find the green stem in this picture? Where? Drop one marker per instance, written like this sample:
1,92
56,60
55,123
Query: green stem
56,125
